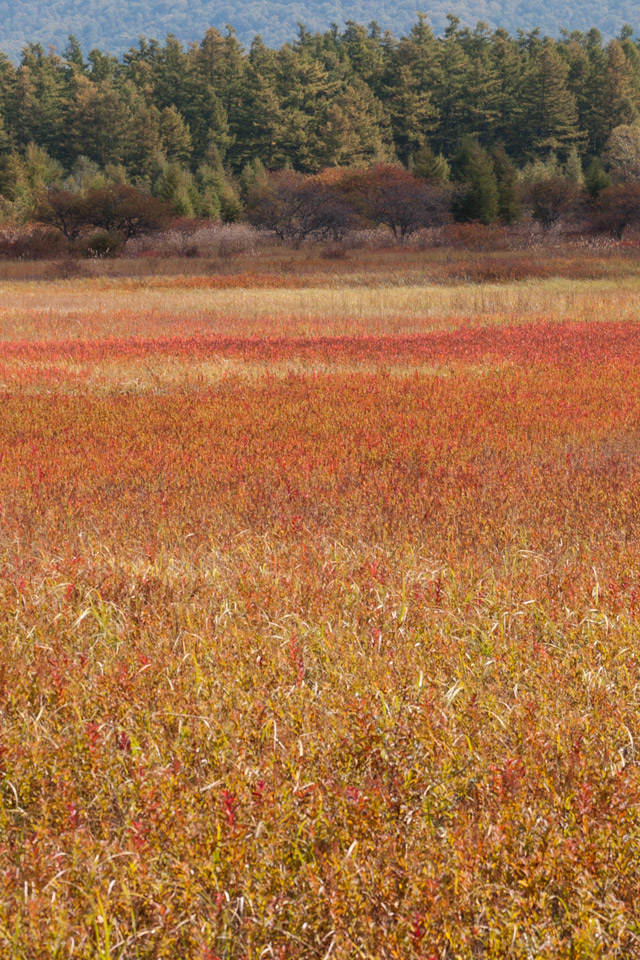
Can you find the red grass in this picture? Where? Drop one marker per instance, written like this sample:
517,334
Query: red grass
333,664
534,342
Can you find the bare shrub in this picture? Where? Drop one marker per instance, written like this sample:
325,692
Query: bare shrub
297,208
390,196
334,251
34,243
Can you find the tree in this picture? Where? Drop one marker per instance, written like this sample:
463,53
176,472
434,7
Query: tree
596,178
175,135
551,116
101,120
616,208
296,208
552,199
355,128
412,113
175,185
63,210
478,196
430,167
509,205
126,211
450,92
391,196
116,209
573,166
623,152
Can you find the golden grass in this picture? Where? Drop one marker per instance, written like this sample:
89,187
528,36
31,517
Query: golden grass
90,308
326,649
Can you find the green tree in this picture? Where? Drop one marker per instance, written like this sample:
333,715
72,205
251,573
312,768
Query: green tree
551,114
573,166
509,205
449,96
413,115
101,121
596,178
431,167
478,196
175,136
355,128
176,186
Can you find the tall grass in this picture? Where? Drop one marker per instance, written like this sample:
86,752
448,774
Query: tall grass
319,644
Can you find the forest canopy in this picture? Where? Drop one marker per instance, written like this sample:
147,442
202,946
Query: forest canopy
198,126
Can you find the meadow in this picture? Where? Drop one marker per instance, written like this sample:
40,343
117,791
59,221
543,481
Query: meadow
319,594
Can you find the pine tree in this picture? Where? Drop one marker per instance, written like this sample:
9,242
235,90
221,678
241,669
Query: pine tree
364,53
551,113
449,96
101,121
483,99
260,122
573,167
509,206
252,175
144,143
596,178
176,186
355,128
620,93
413,115
38,109
431,167
175,136
169,71
478,199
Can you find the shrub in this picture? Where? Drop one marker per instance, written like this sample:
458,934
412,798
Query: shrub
297,208
551,199
616,208
391,196
115,210
34,244
101,245
126,211
64,211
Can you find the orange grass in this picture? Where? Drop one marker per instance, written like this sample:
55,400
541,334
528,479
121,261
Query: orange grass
326,664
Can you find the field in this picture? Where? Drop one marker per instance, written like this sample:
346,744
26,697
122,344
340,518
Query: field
319,595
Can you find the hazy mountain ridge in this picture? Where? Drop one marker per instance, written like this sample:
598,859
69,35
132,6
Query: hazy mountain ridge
115,25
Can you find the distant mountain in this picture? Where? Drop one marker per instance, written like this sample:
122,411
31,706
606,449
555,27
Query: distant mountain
115,25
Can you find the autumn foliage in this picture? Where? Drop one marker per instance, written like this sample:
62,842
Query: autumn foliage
319,635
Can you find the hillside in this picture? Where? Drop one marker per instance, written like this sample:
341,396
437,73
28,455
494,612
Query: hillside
116,24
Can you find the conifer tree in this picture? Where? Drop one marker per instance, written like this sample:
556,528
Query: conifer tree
431,167
449,96
573,166
596,178
177,187
509,206
355,129
413,115
101,121
175,136
551,113
473,168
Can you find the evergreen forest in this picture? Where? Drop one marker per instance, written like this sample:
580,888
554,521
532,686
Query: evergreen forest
196,125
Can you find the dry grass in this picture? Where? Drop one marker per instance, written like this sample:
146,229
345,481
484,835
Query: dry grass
319,638
97,308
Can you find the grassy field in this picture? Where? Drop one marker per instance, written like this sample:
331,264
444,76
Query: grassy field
319,596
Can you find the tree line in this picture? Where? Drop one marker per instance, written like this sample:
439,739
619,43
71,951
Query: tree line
197,127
